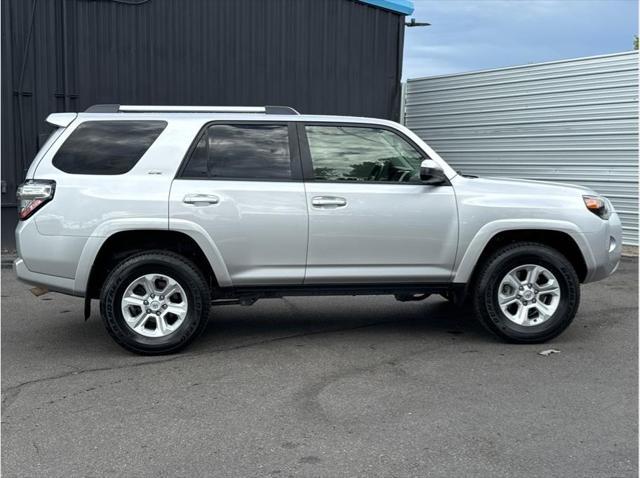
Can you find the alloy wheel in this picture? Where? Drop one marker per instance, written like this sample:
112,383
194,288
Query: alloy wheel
529,295
154,305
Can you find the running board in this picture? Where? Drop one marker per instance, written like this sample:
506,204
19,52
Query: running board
247,295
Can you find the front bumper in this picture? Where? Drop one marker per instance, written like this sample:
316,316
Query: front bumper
606,247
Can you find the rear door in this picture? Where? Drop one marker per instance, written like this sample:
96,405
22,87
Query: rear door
241,182
371,220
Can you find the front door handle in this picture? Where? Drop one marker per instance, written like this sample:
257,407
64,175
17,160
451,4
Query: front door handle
201,199
328,201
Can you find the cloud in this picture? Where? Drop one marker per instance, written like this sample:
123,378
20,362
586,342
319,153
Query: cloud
469,35
486,8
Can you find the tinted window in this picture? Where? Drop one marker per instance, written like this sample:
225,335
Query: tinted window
241,151
345,153
106,147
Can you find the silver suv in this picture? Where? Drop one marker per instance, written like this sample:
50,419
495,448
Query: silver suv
160,212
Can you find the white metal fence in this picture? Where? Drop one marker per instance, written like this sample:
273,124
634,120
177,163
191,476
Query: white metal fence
572,121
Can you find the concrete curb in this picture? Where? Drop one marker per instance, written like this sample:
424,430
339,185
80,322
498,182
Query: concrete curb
7,261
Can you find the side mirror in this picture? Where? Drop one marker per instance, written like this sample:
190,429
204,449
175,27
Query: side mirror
431,173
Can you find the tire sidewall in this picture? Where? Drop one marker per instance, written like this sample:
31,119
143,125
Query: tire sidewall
123,275
497,269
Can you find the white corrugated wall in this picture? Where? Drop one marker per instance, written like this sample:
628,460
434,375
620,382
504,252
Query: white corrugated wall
573,121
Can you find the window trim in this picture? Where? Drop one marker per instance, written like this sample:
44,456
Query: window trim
307,161
294,152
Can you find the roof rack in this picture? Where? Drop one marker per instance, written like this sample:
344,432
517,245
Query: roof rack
269,110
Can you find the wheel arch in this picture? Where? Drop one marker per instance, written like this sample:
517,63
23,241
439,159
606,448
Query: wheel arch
114,248
564,237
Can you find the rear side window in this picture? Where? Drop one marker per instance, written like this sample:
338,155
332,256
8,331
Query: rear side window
241,151
106,147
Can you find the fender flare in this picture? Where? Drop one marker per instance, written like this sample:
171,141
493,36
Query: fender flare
108,229
468,261
208,247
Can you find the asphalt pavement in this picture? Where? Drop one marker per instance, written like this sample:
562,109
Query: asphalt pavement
322,387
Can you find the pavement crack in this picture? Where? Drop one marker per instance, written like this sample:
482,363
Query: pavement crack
309,397
10,394
37,448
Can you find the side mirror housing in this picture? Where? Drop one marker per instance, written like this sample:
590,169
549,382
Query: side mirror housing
431,173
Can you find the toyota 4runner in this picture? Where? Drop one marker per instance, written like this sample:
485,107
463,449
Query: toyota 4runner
161,212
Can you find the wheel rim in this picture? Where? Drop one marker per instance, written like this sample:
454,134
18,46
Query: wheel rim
529,295
154,305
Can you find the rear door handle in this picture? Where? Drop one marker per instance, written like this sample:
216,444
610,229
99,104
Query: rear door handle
328,201
201,199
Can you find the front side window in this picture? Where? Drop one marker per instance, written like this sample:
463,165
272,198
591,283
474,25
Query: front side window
354,153
106,147
241,151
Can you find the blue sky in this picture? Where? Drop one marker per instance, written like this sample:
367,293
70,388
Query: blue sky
467,35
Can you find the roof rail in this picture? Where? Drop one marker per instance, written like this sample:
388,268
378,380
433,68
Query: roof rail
280,110
102,109
270,110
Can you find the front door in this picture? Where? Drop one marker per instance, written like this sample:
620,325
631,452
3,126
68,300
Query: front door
370,218
242,185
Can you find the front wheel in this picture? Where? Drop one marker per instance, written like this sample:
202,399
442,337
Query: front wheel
527,293
155,302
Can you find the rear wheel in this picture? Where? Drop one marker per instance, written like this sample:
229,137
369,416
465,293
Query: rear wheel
155,303
527,293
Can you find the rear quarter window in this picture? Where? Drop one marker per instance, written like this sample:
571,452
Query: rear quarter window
106,147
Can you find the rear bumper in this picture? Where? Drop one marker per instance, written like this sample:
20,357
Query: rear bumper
53,283
47,261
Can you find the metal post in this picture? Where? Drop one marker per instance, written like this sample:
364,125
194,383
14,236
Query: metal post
403,94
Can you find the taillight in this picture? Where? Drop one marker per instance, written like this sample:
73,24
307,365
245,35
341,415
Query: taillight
32,195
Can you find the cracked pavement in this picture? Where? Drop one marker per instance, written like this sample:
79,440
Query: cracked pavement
329,387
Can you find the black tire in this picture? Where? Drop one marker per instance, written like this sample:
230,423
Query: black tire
177,267
494,269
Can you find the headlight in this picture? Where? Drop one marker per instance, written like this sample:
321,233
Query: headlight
597,205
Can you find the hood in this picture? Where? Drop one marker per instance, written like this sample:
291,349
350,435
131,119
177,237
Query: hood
529,184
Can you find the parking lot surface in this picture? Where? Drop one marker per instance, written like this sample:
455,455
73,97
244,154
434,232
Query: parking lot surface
327,387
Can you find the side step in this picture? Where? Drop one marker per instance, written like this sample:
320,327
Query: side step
248,295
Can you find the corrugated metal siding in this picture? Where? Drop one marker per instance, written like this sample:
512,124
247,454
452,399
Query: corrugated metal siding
573,121
319,56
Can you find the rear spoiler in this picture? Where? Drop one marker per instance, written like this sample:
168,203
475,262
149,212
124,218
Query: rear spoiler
61,120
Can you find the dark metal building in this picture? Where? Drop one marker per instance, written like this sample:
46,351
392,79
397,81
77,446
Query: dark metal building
319,56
